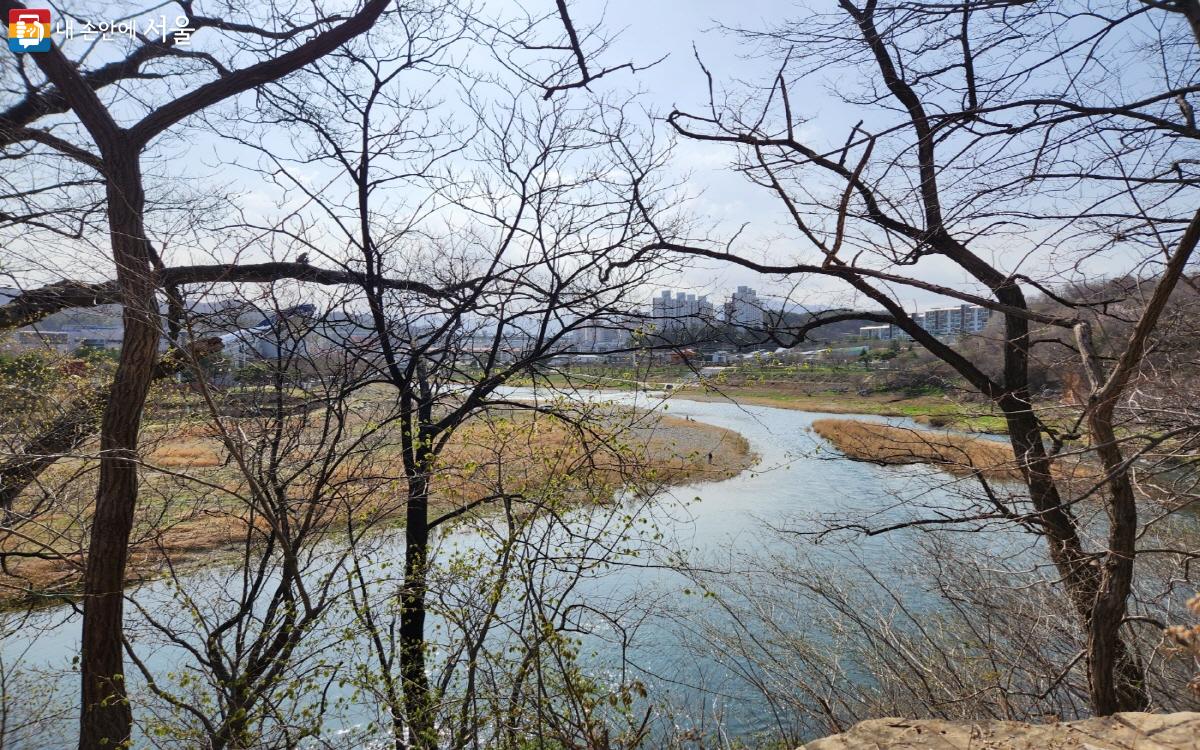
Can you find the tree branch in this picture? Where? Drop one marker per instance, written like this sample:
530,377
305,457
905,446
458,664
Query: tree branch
36,304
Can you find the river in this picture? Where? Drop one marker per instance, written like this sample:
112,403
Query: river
796,478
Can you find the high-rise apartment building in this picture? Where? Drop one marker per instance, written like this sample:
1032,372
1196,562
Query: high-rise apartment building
678,310
745,309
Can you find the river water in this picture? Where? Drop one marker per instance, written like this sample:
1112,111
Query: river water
721,525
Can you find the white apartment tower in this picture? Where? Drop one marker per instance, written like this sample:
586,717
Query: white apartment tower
678,310
744,309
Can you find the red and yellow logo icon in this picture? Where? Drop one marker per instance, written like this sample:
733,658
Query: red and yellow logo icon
29,30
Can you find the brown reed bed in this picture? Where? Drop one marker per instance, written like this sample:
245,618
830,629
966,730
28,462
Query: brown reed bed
962,455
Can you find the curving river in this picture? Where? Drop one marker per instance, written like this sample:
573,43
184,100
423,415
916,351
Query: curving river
797,477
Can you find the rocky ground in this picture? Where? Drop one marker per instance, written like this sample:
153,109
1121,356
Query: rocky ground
1128,731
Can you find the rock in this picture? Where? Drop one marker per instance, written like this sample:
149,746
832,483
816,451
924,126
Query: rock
1127,731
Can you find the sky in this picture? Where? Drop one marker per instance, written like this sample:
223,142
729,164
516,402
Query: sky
679,29
649,29
644,31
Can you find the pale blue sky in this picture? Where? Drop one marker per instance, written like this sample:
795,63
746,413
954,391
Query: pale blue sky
646,30
649,29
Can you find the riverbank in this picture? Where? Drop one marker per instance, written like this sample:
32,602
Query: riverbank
795,480
933,410
195,504
828,389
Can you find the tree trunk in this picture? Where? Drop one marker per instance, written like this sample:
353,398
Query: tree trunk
106,719
235,733
417,700
1076,567
1098,595
1116,681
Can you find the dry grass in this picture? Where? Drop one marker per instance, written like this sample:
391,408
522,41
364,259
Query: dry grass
176,455
688,451
958,454
515,453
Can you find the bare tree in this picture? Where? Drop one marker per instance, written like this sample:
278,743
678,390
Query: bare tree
971,147
300,474
523,220
106,716
524,308
511,586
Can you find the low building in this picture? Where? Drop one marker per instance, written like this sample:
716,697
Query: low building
887,332
882,333
950,321
940,321
603,335
26,339
67,340
95,338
